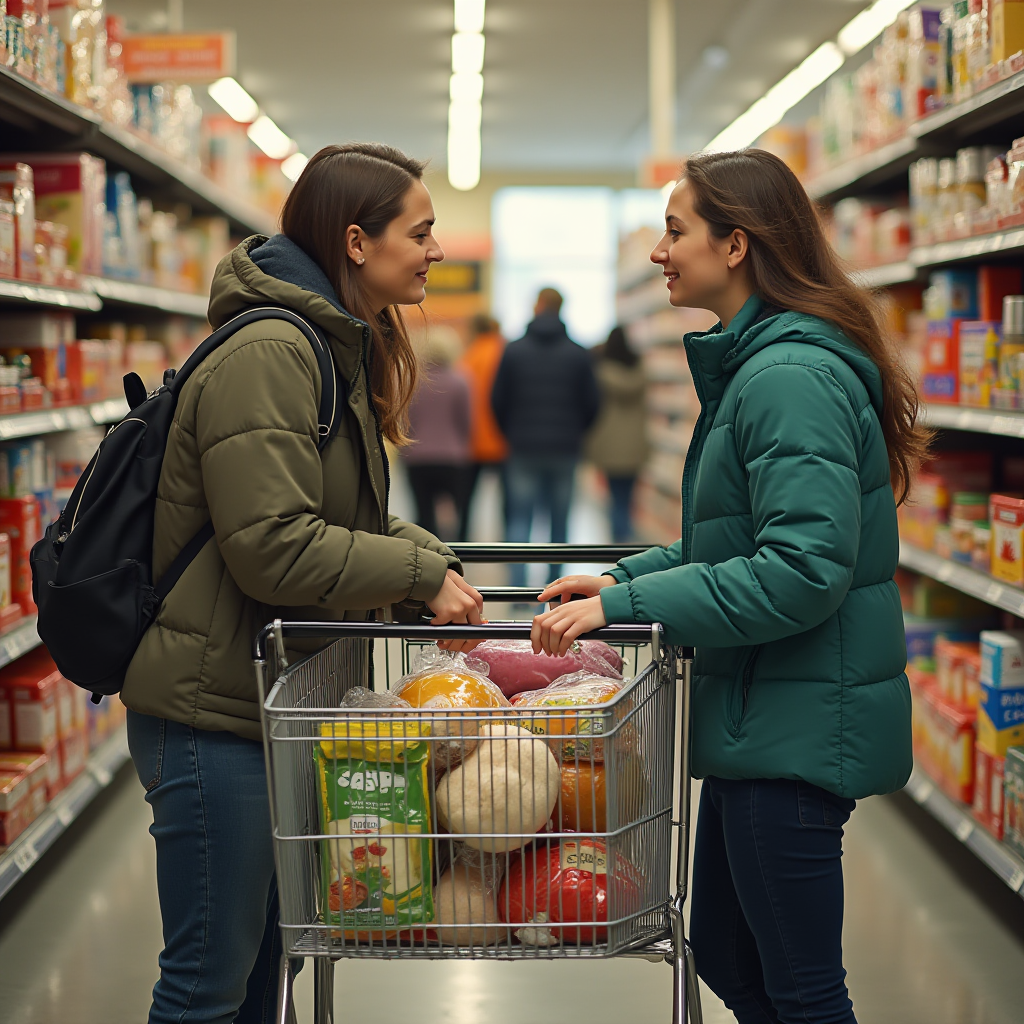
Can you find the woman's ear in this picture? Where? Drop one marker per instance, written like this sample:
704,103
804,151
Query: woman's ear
737,250
355,242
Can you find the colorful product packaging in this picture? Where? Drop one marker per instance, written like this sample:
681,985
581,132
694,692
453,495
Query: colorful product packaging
1013,799
1006,515
1000,719
19,519
940,380
994,284
375,787
1007,28
14,792
957,671
988,792
16,187
1002,659
979,361
8,240
943,736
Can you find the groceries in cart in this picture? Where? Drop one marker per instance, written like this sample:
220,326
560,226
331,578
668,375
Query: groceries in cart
514,667
500,784
375,785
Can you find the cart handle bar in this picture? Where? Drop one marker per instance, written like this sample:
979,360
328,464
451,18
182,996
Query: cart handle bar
619,633
602,553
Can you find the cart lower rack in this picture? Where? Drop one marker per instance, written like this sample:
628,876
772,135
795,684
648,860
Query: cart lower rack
474,829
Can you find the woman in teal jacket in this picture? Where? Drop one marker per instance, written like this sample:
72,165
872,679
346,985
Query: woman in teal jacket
782,579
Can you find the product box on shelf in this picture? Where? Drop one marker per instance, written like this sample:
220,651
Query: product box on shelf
33,700
1007,32
988,791
1006,515
1002,658
994,284
1000,719
940,380
1013,799
8,238
979,361
74,750
957,671
16,187
36,330
70,189
14,794
36,766
922,635
19,519
943,737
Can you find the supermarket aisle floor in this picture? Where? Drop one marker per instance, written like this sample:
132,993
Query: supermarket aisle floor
931,938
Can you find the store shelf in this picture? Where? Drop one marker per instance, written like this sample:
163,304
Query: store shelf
957,819
52,421
963,578
41,294
25,851
977,421
880,165
36,119
18,640
994,104
132,294
968,248
889,273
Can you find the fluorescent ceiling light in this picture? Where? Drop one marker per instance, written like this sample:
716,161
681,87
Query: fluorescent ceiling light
294,165
463,152
466,87
467,52
270,138
771,108
870,23
234,99
469,15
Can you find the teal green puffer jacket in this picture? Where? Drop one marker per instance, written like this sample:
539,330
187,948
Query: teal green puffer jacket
783,579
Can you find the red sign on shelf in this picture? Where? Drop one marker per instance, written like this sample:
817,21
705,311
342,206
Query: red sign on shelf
195,57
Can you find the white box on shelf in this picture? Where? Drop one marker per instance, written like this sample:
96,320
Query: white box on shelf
1002,659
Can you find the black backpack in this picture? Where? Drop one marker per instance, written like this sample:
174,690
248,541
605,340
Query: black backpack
92,572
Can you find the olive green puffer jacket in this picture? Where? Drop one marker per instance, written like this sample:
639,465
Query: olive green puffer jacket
783,578
299,534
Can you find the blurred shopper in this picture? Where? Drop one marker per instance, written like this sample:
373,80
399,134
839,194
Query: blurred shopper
300,534
488,447
437,461
618,442
782,579
545,398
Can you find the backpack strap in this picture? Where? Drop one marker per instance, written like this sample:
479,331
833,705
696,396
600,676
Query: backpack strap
328,418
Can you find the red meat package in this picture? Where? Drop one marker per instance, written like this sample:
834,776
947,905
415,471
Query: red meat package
514,666
559,894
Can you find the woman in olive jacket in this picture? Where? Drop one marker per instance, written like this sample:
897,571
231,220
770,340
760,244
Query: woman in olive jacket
299,534
782,579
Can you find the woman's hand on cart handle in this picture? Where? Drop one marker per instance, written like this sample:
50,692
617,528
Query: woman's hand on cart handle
456,603
554,631
588,586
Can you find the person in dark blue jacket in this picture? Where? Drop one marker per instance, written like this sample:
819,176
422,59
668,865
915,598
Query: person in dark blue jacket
545,398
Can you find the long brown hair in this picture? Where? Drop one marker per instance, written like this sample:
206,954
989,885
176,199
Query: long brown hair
362,183
792,266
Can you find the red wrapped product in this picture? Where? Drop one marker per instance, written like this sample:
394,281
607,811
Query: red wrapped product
514,666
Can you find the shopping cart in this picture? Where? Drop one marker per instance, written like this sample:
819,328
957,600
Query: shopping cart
477,865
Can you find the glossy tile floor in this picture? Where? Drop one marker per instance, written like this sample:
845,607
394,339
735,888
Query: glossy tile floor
931,936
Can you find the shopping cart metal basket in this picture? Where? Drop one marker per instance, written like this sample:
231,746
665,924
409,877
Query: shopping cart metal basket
505,832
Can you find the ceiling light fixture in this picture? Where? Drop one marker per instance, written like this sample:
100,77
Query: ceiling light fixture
294,165
826,60
469,15
234,99
871,22
465,91
270,138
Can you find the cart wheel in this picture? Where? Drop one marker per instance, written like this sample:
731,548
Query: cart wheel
323,990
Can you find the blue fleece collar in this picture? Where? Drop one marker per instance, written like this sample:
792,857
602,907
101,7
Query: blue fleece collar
280,257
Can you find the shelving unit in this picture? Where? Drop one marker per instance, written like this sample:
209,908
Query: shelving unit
878,166
976,421
130,293
957,819
52,421
889,273
18,640
46,121
963,578
41,294
101,768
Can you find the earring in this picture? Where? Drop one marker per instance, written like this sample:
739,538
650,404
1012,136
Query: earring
360,261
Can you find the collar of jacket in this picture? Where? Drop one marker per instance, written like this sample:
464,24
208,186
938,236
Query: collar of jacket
239,284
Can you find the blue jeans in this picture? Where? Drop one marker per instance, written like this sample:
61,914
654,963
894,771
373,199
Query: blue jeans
767,917
621,488
535,483
215,873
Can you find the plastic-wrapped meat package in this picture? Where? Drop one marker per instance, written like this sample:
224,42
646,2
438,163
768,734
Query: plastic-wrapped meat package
515,668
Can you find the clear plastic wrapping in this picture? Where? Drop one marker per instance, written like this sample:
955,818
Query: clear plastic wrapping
514,667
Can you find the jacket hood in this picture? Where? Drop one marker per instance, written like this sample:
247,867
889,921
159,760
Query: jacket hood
756,326
275,271
547,327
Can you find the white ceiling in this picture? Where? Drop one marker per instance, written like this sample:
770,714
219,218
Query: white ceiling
566,80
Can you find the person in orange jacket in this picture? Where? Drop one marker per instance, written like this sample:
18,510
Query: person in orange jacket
479,364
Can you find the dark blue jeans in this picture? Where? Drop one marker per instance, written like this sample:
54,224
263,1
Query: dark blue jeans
215,873
535,483
767,916
621,489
